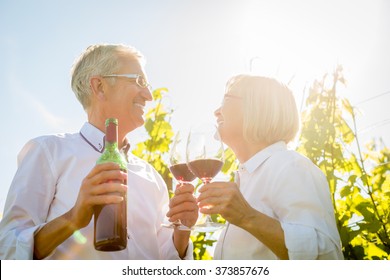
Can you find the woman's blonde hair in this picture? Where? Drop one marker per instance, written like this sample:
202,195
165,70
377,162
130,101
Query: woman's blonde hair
270,112
100,59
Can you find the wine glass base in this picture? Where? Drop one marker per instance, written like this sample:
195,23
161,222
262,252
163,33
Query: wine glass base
178,225
208,227
168,225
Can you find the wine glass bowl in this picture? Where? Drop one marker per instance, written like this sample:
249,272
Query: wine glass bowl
181,173
205,169
205,158
178,161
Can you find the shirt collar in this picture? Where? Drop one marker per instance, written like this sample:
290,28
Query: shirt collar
258,159
93,136
96,138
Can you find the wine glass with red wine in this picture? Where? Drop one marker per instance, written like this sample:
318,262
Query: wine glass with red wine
205,158
179,169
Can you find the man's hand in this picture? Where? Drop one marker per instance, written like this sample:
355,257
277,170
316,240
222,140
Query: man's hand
103,185
183,206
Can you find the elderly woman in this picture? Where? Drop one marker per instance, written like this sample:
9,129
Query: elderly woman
280,206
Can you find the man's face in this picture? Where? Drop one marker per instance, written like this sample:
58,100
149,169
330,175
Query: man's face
125,99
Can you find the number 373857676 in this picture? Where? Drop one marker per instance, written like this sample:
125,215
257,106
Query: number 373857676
241,270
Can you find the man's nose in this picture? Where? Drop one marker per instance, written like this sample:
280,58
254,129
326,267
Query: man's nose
147,94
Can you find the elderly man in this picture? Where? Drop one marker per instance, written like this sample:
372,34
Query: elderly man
49,208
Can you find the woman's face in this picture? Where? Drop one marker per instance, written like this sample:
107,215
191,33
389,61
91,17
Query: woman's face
230,118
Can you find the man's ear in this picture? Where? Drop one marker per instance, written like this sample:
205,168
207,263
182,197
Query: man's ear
97,87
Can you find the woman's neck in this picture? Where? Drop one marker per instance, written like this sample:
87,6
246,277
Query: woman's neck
246,150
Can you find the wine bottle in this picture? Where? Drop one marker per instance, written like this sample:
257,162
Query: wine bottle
110,220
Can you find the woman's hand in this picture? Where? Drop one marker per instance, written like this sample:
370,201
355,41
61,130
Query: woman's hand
224,198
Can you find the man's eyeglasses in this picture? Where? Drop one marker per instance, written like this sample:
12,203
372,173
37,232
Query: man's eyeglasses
139,79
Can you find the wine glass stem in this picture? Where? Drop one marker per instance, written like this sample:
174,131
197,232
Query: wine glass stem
206,181
208,219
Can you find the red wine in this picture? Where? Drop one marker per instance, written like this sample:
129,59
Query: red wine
113,237
205,169
182,173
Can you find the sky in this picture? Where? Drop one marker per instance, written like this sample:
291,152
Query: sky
191,48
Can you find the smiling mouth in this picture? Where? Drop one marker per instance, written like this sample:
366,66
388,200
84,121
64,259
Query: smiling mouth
220,122
139,105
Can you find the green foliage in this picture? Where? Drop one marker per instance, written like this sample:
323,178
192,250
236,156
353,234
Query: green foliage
159,129
201,241
230,165
360,197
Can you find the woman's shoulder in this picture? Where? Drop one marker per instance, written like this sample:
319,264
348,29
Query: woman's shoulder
292,159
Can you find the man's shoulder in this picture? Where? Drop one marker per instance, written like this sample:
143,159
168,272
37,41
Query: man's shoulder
51,139
53,144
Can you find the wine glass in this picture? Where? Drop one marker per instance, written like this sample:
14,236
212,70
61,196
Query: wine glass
205,158
179,169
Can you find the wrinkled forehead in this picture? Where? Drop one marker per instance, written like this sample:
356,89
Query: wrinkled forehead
127,62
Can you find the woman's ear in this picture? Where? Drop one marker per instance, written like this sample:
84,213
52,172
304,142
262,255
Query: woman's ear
97,88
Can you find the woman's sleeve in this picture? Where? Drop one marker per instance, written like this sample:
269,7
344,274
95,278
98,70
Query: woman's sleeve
305,210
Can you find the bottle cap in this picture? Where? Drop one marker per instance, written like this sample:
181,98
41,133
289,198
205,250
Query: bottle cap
112,120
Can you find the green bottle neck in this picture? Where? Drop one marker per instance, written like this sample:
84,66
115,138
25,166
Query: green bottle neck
111,138
111,151
111,146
